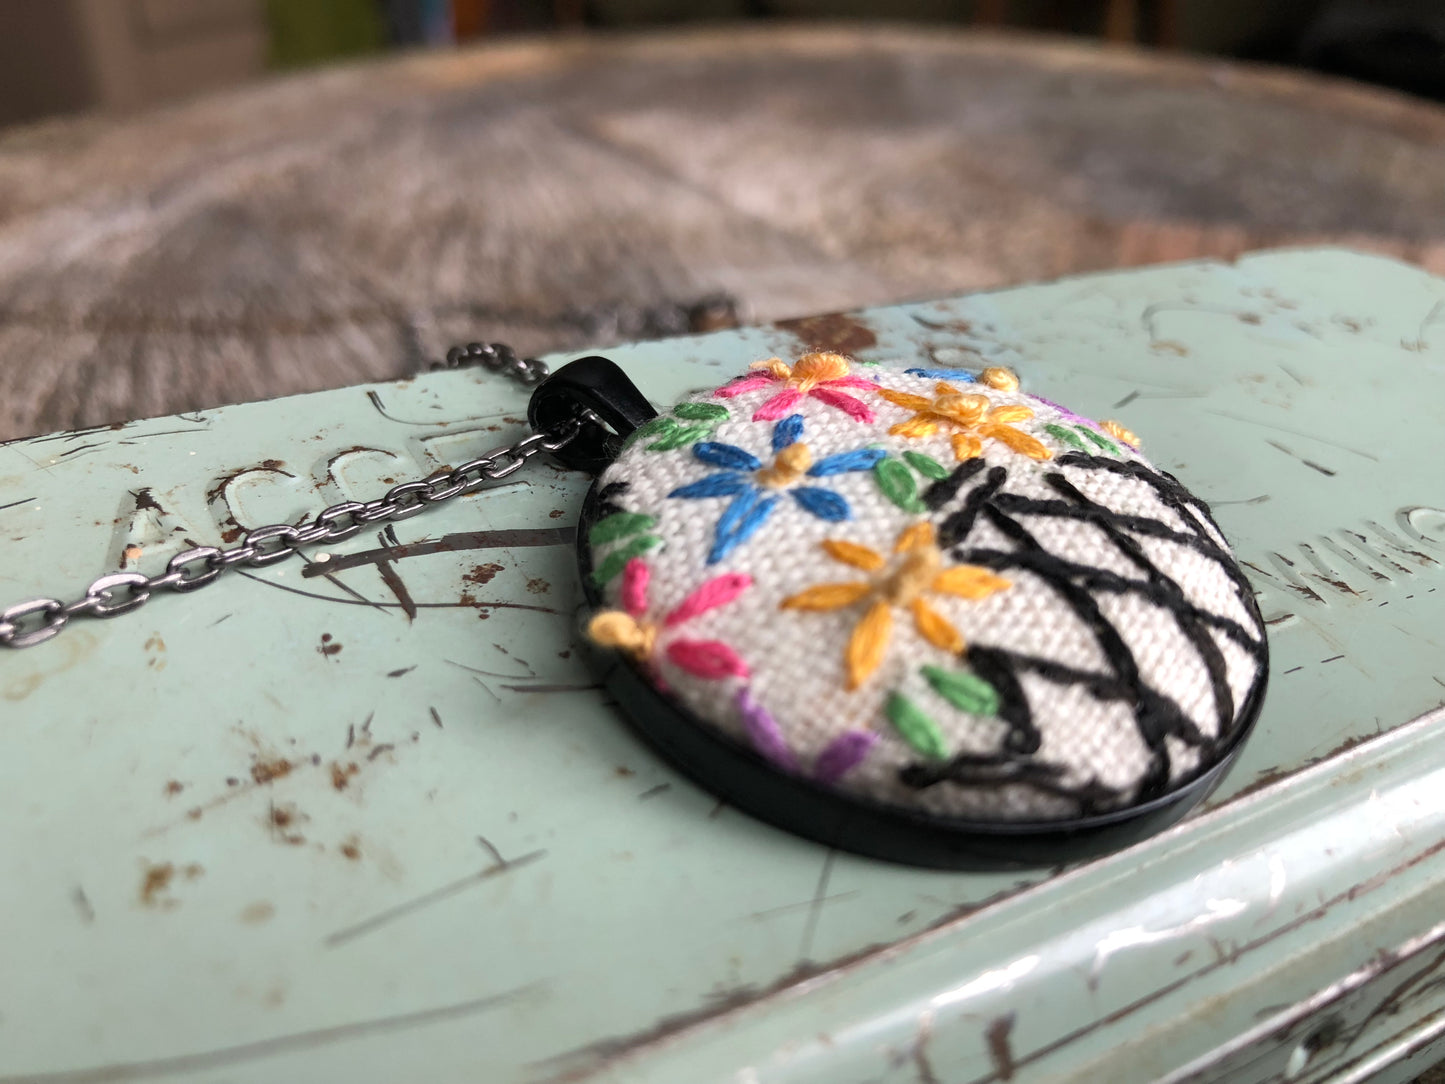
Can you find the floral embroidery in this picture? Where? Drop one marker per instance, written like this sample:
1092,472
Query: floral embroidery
1081,426
966,692
899,486
630,630
750,484
665,433
1075,437
839,757
616,528
970,417
1119,432
816,376
903,582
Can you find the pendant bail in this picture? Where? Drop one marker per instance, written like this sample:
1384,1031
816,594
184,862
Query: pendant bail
595,384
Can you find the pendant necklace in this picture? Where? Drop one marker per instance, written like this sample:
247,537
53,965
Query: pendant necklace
916,614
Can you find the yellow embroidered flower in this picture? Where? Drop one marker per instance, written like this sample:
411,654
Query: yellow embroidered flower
969,416
917,570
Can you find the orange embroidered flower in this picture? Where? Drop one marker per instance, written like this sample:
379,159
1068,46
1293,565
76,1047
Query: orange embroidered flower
917,571
969,416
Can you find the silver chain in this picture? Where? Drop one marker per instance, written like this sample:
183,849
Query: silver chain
39,619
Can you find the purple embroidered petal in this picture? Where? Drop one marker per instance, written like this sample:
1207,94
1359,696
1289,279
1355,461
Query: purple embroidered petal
788,431
844,462
842,755
763,731
714,485
1063,411
823,503
728,456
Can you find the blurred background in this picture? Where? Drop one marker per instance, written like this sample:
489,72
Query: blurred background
66,55
214,201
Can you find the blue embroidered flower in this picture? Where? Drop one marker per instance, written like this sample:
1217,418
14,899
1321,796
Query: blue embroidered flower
743,477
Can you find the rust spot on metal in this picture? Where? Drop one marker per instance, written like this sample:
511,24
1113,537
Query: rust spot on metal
328,647
1171,347
155,880
556,513
145,501
1000,1049
481,574
269,770
351,849
397,587
272,464
260,911
624,772
837,332
282,821
341,774
1251,318
538,586
921,1062
174,787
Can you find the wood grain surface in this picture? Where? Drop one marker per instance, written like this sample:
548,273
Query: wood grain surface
348,224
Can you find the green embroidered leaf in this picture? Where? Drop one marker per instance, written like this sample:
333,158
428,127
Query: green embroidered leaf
898,485
1068,436
916,728
966,692
619,525
926,465
1104,443
701,412
680,437
656,427
615,561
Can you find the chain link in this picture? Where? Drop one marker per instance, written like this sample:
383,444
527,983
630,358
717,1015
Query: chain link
39,619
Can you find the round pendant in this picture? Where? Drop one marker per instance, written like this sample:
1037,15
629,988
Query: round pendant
921,615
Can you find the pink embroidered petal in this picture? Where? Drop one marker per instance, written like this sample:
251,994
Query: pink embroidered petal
854,408
710,660
842,755
635,578
859,382
746,384
718,591
778,406
763,731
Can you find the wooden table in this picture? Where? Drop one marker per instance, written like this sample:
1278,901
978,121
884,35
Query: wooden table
347,224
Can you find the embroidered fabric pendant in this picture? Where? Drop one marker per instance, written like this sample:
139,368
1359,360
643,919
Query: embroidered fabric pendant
919,614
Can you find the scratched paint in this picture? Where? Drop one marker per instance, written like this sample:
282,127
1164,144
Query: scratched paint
439,839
